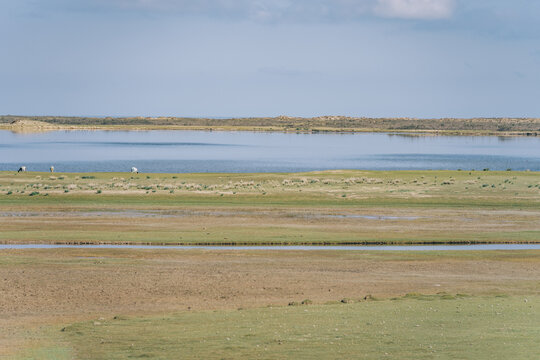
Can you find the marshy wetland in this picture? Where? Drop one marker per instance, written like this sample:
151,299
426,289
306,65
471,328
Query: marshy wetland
120,303
315,208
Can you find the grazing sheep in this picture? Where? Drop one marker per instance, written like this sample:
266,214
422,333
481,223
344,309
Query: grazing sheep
52,168
22,169
134,170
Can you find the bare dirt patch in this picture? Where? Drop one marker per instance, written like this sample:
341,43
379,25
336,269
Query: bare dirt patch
43,287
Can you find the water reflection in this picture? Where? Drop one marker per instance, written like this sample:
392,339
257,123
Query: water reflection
205,151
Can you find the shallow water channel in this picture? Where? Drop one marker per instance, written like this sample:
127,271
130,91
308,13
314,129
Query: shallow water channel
479,247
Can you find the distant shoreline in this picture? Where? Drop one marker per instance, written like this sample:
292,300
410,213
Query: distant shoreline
323,124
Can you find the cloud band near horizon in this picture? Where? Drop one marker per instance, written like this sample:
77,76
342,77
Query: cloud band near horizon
274,10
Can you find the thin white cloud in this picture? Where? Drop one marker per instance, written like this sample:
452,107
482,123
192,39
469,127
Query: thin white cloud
415,9
273,10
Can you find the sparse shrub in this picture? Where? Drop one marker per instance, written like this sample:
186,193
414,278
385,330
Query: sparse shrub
34,193
414,296
98,192
9,192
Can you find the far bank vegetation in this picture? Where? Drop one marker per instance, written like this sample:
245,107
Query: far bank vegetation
492,126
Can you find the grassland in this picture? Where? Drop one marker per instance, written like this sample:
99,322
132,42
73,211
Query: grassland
330,207
162,304
120,304
448,126
419,327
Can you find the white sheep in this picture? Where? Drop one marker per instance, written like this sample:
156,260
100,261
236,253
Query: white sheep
22,169
134,170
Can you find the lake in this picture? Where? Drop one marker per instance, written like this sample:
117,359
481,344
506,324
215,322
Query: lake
175,151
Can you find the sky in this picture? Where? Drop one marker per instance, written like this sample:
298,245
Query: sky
224,58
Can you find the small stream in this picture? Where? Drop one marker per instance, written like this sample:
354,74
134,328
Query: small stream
476,247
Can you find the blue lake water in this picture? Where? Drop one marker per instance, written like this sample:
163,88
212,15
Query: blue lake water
207,151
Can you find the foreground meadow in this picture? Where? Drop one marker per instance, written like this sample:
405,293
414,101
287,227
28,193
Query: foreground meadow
329,207
120,304
419,327
242,304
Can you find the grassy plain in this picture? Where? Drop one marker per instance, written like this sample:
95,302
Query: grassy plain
413,327
119,304
329,207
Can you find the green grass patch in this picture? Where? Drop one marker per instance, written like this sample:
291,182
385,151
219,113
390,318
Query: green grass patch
413,327
318,192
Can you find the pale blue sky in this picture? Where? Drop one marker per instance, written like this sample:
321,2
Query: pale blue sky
417,58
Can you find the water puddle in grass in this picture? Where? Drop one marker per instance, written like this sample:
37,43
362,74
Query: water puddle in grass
476,247
121,214
186,213
372,217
